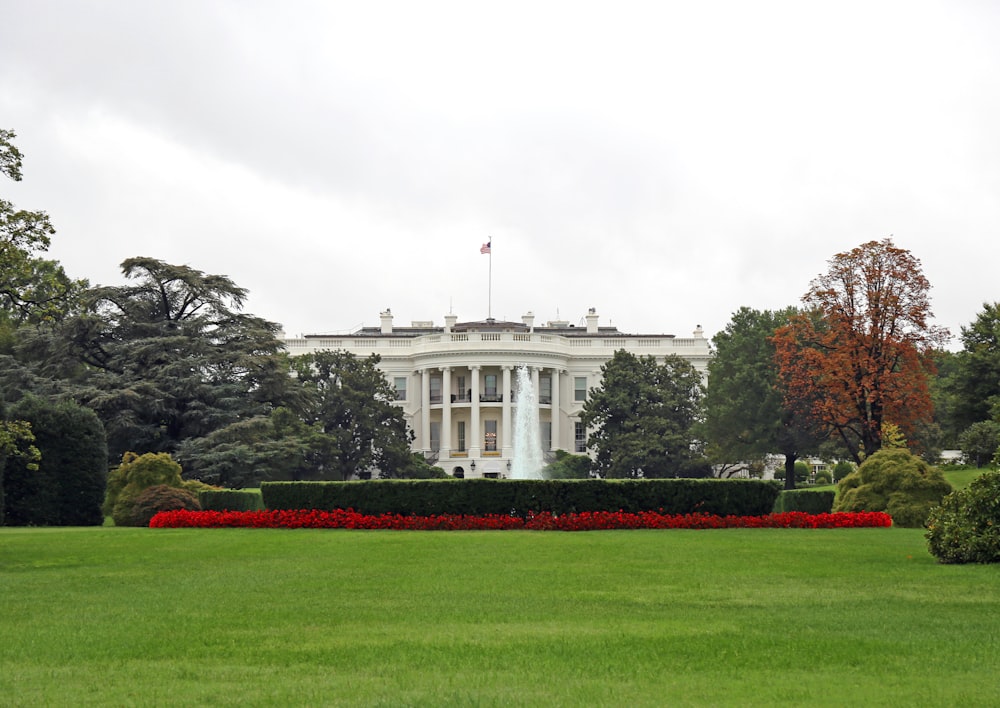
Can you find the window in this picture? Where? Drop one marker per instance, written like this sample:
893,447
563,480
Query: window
580,388
546,436
435,389
400,384
580,435
490,439
490,394
435,437
461,436
545,389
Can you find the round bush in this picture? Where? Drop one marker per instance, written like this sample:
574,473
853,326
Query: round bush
965,528
160,497
132,476
895,481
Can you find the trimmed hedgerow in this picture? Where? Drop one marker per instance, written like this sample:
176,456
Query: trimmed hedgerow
152,500
519,497
807,500
230,500
965,528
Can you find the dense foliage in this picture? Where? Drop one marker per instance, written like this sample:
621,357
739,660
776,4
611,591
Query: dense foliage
980,442
642,417
975,385
866,361
894,481
509,496
965,528
160,497
747,413
66,487
137,473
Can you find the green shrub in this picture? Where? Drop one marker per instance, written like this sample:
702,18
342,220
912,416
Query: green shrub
806,500
135,474
160,497
823,477
895,481
491,496
965,528
67,487
841,470
231,500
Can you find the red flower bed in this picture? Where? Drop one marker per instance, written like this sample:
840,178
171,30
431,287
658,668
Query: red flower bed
544,521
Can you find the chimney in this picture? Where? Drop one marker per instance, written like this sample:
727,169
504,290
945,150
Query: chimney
699,333
529,320
592,321
386,321
449,322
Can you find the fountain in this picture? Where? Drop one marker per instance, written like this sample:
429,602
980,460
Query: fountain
528,461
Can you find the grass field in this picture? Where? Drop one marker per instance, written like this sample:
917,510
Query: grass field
114,616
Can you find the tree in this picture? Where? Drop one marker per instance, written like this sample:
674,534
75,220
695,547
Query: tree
349,401
867,360
276,447
976,381
642,416
66,487
747,412
16,441
32,289
980,442
172,357
567,466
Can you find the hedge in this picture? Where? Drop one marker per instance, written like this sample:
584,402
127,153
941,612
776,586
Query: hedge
807,500
230,500
519,497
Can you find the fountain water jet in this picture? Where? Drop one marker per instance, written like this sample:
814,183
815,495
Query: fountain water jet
528,461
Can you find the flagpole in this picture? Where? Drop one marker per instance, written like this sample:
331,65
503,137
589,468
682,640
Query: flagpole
489,295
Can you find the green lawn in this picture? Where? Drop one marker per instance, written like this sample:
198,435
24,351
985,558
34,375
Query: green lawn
113,616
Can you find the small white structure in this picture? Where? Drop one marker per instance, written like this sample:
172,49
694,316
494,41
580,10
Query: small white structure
454,382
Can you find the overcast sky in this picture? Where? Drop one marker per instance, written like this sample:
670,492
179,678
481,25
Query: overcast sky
662,162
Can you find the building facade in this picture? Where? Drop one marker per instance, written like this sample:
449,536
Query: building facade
455,383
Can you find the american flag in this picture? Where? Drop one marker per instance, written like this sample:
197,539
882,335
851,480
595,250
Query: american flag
485,247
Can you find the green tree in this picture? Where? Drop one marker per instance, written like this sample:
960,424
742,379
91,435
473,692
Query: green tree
642,416
980,442
976,383
747,412
171,357
66,487
16,441
276,447
568,466
350,402
32,288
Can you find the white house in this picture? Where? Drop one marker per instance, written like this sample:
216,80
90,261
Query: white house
454,382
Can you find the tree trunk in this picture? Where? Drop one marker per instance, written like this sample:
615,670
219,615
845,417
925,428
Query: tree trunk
790,471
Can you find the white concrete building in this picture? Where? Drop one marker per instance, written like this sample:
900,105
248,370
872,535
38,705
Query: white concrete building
455,383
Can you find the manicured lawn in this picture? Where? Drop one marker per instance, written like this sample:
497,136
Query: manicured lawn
111,616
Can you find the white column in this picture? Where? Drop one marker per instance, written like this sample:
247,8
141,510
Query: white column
556,413
425,411
506,444
476,433
446,411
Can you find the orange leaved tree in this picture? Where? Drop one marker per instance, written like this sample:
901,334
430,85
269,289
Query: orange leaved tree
863,358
